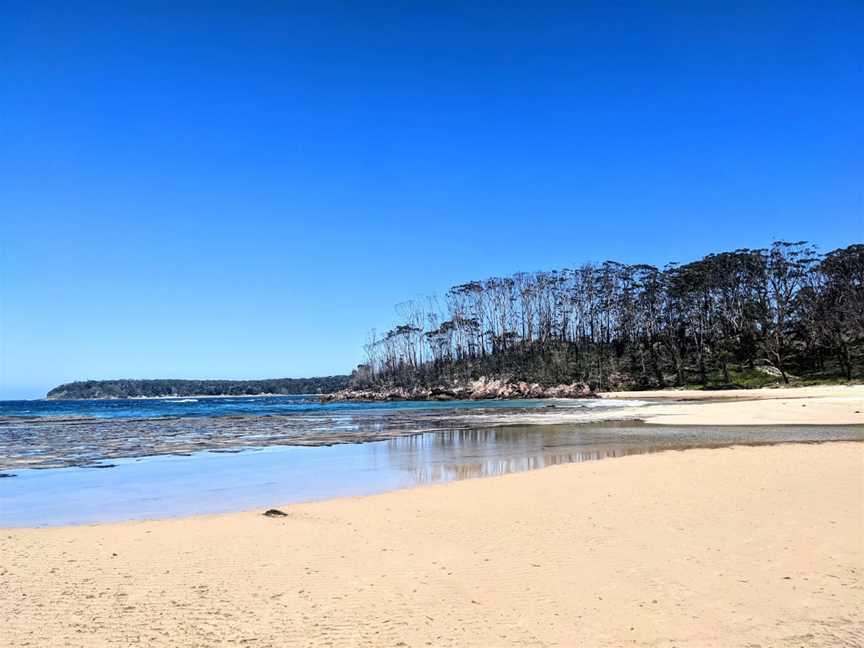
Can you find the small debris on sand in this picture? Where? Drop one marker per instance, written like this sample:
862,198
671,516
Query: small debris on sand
275,513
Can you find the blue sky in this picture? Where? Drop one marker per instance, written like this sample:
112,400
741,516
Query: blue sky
242,190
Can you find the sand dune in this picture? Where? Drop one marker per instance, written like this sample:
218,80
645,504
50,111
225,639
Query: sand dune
733,547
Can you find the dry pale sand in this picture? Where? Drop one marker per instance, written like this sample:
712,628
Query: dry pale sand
837,405
746,546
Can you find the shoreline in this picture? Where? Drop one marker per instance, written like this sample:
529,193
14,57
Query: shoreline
710,547
803,406
810,409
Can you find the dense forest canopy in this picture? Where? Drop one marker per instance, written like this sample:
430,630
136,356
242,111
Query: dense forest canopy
737,317
154,388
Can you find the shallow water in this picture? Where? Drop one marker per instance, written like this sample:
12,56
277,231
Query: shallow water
53,434
218,481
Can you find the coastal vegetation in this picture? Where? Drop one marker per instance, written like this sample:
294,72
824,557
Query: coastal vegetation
744,318
167,388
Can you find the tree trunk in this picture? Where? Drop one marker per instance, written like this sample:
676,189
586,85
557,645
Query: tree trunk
658,373
845,361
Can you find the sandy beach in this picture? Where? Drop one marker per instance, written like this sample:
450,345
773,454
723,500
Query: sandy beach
742,546
820,405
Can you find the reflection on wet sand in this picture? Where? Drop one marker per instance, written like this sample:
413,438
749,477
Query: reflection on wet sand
488,452
502,466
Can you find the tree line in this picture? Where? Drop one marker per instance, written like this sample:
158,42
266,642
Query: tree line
743,317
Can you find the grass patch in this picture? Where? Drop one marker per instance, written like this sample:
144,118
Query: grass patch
752,379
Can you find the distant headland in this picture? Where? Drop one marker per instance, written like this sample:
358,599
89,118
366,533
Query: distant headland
94,389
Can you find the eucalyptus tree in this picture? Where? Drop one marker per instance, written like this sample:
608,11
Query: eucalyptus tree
618,325
837,303
786,267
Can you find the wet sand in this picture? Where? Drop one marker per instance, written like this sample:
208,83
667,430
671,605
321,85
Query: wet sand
741,546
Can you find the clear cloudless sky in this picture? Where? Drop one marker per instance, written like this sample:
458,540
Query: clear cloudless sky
244,189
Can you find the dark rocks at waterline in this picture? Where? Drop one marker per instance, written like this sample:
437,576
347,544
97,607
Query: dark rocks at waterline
481,389
3,475
274,513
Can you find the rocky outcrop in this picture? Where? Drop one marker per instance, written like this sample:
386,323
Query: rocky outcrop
481,389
